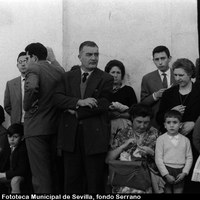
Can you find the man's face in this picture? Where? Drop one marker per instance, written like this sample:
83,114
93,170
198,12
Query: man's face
161,60
22,64
31,59
89,57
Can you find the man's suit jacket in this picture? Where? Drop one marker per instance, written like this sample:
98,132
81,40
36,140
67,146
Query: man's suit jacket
95,121
41,114
151,83
13,100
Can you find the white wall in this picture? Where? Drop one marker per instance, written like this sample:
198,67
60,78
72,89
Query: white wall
23,22
128,30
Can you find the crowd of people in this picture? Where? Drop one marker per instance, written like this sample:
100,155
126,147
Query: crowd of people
84,131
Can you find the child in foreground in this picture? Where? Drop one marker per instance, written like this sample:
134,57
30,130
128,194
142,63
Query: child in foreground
18,171
173,154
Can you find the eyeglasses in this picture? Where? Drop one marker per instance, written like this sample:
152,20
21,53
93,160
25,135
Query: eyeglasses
23,61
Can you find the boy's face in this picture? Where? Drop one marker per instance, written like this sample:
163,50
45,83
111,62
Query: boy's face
14,139
172,125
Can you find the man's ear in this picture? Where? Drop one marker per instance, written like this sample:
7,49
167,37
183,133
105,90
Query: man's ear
35,58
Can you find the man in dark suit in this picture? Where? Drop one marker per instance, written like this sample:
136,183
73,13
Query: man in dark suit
40,121
83,95
13,96
155,83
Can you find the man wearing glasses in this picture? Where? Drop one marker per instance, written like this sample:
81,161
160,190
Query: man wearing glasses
14,92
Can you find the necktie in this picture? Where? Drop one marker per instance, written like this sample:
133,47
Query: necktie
85,74
165,85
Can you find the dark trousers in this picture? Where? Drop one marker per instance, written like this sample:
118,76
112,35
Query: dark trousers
84,173
43,162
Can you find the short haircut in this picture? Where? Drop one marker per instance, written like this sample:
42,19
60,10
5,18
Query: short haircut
140,110
23,53
15,129
87,43
185,64
38,50
2,115
173,113
159,49
116,63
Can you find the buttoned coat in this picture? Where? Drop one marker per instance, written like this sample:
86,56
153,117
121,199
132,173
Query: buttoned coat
95,122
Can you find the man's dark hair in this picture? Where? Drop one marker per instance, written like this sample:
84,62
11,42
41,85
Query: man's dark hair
87,43
159,49
2,115
174,114
116,63
15,129
38,50
23,53
140,110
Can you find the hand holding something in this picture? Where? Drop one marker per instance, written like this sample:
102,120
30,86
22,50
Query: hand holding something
91,102
159,93
127,142
179,108
146,150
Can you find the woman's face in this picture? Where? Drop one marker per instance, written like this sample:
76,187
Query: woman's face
141,124
117,74
182,77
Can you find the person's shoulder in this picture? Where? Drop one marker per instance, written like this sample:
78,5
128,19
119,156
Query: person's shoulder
162,136
14,80
149,76
3,130
34,67
104,74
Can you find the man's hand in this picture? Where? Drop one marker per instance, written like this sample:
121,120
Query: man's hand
91,102
50,54
159,93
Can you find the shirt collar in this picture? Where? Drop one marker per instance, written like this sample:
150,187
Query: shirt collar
89,73
167,73
174,137
22,78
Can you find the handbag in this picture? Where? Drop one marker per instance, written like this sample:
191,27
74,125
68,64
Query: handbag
133,174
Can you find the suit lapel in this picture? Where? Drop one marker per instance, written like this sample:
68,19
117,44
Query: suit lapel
157,80
17,89
75,83
93,82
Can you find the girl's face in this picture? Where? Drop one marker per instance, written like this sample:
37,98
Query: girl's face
117,74
182,77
